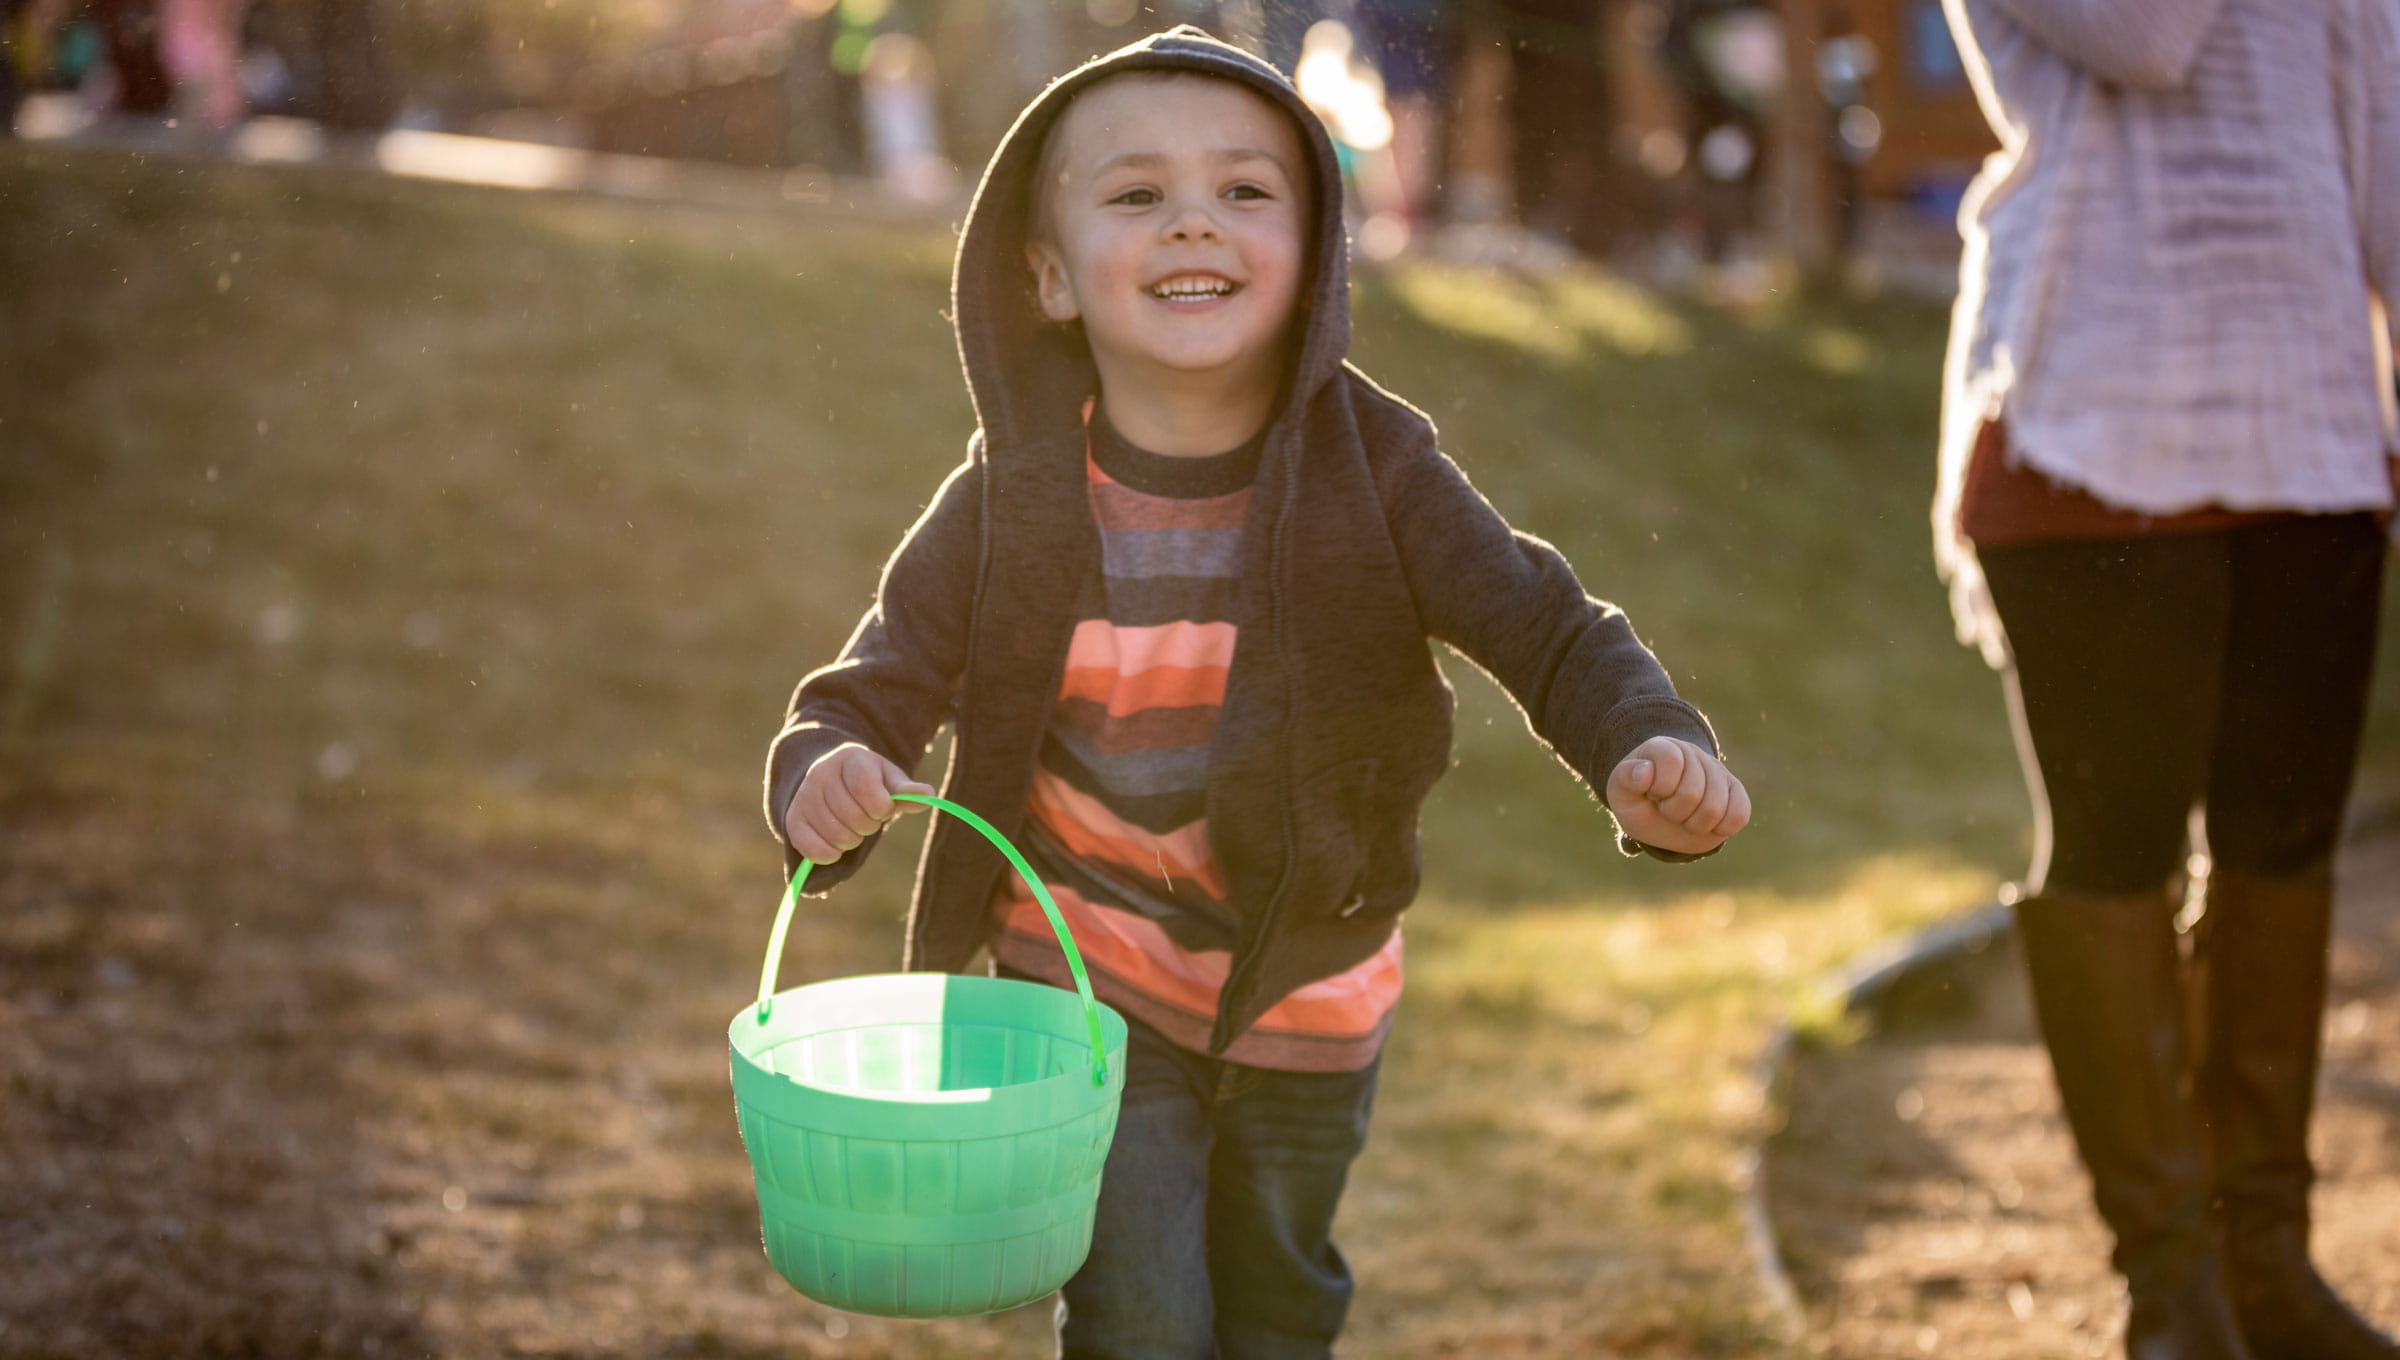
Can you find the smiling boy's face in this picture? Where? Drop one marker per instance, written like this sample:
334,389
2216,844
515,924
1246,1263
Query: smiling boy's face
1173,224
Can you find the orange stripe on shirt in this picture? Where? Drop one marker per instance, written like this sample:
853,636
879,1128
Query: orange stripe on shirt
1134,951
1351,1002
1158,687
1101,645
1086,828
1130,947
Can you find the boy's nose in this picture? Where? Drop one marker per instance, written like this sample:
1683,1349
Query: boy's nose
1192,222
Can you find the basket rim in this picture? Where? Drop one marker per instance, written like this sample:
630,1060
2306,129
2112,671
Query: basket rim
1058,1094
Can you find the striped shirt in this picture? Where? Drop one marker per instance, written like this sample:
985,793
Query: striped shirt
1117,824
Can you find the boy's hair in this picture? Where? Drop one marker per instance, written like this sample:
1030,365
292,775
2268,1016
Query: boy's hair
1040,216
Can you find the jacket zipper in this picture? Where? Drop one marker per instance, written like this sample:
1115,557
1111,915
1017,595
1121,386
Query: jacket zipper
983,570
1239,979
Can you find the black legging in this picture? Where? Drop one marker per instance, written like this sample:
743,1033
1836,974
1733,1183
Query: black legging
2226,670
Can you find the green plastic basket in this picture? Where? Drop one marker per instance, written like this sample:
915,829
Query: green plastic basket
927,1145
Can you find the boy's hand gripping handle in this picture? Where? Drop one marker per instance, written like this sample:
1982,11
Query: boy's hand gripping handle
1058,923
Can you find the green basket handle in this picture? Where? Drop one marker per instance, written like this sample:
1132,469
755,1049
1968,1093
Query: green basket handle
1058,923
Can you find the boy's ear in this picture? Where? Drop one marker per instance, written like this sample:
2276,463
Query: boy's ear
1051,286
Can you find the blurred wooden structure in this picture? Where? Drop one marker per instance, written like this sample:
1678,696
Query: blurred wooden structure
1934,135
729,85
1806,195
1928,134
779,82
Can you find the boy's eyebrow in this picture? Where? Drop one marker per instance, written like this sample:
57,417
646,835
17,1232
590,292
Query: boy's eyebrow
1145,159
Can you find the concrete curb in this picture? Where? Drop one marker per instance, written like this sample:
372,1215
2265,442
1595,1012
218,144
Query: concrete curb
1854,986
1874,971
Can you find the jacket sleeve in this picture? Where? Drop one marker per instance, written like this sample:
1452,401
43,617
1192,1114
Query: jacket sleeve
896,682
1510,603
2139,44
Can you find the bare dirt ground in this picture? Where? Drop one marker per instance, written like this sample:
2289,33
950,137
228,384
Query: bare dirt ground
1928,1199
334,1086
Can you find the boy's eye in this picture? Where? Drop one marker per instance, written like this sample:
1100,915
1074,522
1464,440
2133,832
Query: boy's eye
1138,198
1248,191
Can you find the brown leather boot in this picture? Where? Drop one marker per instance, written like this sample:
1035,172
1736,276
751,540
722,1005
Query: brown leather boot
2108,994
2264,946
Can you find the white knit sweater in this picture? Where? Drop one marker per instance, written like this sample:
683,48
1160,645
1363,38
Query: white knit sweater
2172,263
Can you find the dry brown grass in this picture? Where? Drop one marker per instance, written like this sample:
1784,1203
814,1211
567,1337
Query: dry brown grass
398,585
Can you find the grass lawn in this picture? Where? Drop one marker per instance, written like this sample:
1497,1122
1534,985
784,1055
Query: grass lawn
398,586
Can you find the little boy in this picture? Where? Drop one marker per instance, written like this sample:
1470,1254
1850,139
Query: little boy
1178,600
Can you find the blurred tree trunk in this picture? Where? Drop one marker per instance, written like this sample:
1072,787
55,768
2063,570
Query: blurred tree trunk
341,55
1803,128
354,62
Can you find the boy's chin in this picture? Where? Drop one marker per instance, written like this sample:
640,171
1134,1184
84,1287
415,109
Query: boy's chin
1222,357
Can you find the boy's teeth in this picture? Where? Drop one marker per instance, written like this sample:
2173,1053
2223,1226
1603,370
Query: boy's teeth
1193,288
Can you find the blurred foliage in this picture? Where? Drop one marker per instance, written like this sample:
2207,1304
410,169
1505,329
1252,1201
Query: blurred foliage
360,60
527,49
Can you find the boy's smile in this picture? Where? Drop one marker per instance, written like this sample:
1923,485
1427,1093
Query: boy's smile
1194,288
1174,225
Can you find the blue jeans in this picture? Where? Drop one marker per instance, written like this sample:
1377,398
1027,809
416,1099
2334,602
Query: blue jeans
1214,1231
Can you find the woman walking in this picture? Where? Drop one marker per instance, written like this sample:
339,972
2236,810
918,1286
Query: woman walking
2165,487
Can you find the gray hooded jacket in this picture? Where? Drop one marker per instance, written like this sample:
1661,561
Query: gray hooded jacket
1364,543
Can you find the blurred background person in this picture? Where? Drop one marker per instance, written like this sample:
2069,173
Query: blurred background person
1346,91
832,46
199,42
135,80
1725,58
1414,45
1275,29
898,92
28,32
1846,60
1561,117
2166,451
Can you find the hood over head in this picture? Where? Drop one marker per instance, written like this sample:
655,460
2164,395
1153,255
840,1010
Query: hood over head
1028,375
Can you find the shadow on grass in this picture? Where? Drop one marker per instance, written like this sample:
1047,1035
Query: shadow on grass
184,1124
